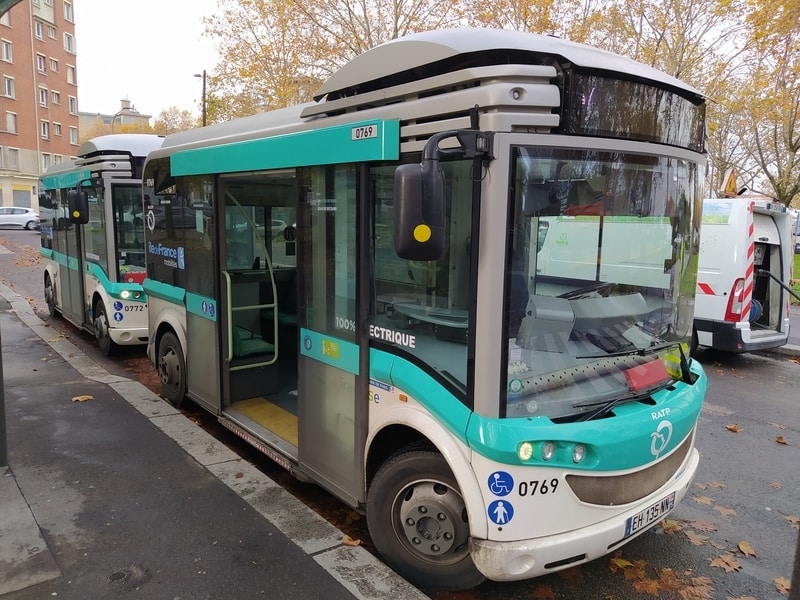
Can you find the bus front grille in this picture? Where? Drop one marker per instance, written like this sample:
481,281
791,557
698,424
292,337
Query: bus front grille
622,489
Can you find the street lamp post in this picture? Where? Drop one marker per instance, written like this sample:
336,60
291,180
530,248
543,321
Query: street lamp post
203,76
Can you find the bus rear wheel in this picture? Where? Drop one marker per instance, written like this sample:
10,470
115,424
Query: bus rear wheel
104,341
171,369
418,521
50,295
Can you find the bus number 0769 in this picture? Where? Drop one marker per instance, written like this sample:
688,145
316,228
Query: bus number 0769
364,132
529,488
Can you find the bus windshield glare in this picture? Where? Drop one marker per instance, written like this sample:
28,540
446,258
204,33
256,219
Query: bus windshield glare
600,278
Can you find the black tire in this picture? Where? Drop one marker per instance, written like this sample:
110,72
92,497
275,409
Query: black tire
418,522
50,296
30,225
104,341
171,367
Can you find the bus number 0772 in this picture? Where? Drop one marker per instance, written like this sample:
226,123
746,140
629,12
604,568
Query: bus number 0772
529,488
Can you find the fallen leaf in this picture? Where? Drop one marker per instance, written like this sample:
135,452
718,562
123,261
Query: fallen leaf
617,562
743,598
795,521
702,525
647,586
348,541
671,526
725,512
238,475
719,485
82,398
778,426
782,584
695,538
776,485
703,499
699,589
727,562
746,548
543,592
734,428
780,440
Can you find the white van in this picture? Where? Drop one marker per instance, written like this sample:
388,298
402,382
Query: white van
745,267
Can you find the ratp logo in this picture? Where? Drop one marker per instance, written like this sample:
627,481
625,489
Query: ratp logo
660,438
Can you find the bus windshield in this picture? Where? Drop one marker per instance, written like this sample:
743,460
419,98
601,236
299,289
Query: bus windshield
600,278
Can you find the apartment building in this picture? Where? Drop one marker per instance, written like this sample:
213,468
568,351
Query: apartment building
38,95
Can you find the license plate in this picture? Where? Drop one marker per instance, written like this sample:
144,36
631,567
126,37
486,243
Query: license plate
649,515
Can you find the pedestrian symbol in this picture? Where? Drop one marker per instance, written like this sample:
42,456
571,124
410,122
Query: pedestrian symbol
501,512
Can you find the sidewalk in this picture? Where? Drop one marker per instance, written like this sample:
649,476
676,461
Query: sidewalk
110,490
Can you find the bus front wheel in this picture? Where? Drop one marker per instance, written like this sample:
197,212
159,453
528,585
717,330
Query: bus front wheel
418,521
171,369
104,341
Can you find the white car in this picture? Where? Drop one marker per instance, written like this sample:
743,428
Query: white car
18,216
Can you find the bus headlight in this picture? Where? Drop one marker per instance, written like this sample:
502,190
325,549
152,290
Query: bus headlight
525,451
548,450
124,294
578,453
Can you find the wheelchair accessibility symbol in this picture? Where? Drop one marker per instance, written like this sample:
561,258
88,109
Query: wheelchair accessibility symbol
501,483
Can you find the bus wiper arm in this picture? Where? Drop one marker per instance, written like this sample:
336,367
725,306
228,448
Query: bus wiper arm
605,406
635,352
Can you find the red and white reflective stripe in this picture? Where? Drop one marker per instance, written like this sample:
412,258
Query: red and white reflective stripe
747,292
705,288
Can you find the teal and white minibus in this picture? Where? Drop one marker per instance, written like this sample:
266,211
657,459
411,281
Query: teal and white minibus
354,290
93,238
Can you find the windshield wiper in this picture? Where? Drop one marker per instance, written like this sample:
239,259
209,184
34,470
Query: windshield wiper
606,406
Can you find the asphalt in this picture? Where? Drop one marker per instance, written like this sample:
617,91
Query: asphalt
111,492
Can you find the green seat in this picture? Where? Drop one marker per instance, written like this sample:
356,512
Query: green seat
245,343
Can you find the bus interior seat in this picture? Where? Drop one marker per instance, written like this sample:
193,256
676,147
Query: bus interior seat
246,343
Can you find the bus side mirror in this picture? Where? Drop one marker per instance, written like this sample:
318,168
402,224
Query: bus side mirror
419,211
78,201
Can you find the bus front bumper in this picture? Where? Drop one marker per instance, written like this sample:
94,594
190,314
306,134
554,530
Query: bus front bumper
524,559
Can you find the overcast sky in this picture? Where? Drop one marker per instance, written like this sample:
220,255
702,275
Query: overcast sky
145,51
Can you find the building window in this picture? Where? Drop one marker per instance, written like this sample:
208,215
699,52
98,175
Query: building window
69,43
46,162
42,96
41,63
73,135
73,105
48,2
68,11
55,97
70,74
57,158
6,51
38,30
11,122
51,32
54,65
45,130
13,159
57,129
8,87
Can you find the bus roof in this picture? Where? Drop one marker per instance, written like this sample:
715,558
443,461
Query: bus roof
137,144
413,52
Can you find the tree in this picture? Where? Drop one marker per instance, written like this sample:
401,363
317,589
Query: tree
770,132
276,53
174,119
